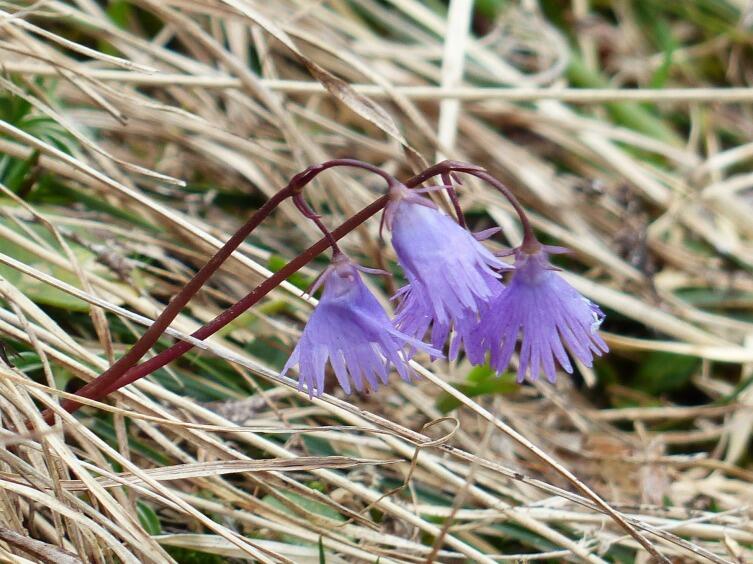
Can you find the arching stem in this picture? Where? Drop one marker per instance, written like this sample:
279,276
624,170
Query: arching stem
123,372
452,193
530,243
105,381
179,301
308,213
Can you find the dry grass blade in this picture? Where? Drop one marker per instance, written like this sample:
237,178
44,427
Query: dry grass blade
204,469
135,136
42,551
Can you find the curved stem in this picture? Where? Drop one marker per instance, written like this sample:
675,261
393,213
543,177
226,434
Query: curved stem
308,213
303,178
101,385
112,380
250,299
174,307
447,181
530,242
327,235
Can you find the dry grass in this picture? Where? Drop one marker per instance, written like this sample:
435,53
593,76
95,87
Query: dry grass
135,140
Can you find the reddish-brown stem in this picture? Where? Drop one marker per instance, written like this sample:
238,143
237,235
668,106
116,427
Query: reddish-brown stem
447,181
530,242
104,382
100,388
327,234
178,349
308,213
174,307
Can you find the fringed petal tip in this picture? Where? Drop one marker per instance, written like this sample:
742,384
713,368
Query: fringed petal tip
449,272
350,331
549,318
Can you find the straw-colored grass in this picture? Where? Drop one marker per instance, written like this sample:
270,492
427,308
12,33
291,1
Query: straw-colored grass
136,137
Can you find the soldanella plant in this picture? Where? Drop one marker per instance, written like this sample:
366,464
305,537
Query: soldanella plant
460,298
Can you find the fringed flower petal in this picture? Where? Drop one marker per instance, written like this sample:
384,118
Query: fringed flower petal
547,314
451,276
351,331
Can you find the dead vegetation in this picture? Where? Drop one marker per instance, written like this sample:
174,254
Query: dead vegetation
136,136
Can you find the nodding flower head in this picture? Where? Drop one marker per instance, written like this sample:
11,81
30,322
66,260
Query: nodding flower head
451,276
547,313
350,330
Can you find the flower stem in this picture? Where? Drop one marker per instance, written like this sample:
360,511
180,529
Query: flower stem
174,307
123,372
106,380
308,213
447,181
227,316
530,243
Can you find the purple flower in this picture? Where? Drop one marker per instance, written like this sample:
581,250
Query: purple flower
451,276
547,313
352,331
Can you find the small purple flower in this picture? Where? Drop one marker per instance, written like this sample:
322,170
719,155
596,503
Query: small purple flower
451,276
547,313
352,331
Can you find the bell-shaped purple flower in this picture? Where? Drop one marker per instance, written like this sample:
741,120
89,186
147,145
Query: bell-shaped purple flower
547,313
451,276
350,330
